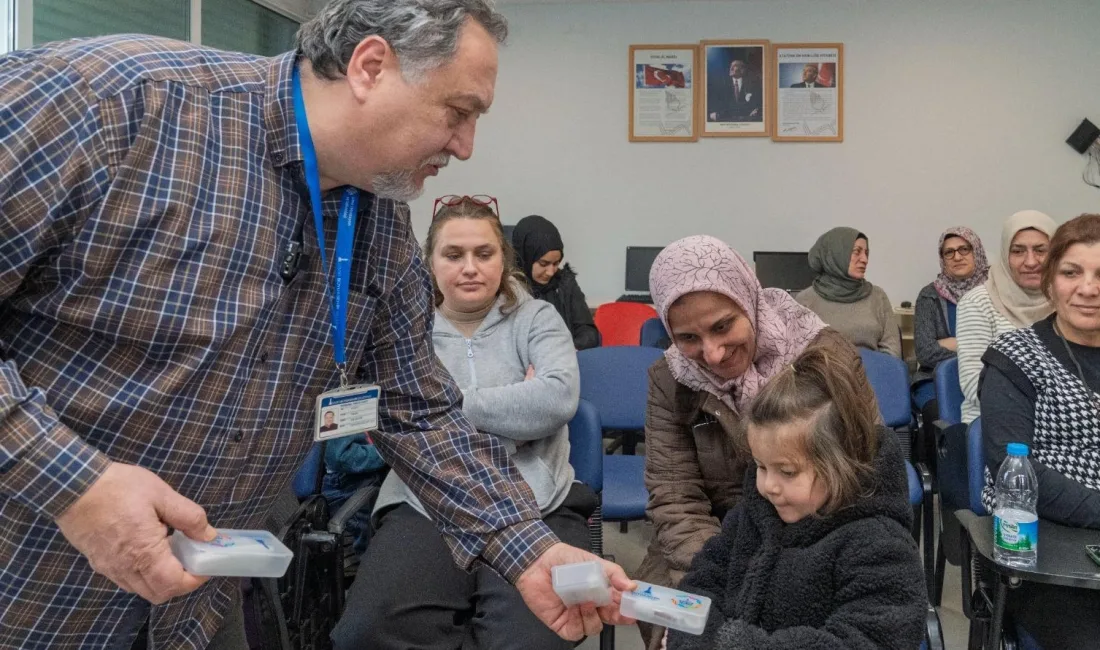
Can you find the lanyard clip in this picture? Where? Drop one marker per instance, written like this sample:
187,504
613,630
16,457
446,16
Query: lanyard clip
343,368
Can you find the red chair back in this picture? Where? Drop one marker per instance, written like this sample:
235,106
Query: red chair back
620,323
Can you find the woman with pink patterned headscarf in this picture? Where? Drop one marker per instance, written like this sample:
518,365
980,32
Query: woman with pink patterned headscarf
729,337
963,266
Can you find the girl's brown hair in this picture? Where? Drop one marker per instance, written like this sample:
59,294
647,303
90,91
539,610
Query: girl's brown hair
824,389
1084,229
469,209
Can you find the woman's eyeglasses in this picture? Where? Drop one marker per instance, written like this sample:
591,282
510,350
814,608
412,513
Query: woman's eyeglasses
961,251
452,200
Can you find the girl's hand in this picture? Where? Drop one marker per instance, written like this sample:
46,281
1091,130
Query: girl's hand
530,373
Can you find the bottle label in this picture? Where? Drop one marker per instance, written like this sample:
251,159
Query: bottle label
1012,535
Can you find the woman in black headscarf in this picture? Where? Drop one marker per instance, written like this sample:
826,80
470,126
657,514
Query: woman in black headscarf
539,249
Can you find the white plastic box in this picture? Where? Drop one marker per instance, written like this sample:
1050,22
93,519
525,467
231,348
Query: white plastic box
668,607
582,582
236,553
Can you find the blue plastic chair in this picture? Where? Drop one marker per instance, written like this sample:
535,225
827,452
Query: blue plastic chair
975,467
949,395
587,458
889,377
616,381
653,334
975,472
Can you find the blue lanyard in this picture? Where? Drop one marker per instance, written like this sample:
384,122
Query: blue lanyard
345,232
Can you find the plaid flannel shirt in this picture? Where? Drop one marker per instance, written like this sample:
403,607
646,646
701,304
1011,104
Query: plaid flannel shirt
147,190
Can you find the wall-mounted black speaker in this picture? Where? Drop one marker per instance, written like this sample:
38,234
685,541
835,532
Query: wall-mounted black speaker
1083,137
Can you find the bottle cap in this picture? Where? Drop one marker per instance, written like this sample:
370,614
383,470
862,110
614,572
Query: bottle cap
1017,449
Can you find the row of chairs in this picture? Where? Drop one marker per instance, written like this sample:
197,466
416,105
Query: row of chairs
961,478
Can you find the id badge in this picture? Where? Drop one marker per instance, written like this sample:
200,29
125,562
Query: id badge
346,412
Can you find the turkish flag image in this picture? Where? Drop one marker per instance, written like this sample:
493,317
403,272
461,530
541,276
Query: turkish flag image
660,77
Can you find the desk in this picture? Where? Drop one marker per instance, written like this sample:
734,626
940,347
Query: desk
1062,561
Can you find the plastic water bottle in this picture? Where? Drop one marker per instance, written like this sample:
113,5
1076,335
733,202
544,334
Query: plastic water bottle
1015,522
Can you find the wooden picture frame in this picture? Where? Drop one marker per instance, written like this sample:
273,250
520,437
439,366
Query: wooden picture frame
735,78
807,92
663,93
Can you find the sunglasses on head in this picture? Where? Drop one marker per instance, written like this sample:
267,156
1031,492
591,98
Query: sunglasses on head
452,200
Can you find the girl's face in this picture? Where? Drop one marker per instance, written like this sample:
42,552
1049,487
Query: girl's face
784,475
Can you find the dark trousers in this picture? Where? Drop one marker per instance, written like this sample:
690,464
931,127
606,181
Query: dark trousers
409,595
1061,618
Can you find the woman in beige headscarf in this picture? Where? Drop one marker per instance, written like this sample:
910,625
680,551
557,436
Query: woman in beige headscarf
1011,298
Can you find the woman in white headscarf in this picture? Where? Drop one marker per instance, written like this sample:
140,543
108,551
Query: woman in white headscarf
1011,298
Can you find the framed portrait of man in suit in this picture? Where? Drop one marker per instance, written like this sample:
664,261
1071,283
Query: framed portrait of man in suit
736,77
808,93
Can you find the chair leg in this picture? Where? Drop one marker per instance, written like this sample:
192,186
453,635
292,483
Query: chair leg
941,562
607,638
630,443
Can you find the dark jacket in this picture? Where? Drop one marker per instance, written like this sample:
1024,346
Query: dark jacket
929,326
850,580
569,300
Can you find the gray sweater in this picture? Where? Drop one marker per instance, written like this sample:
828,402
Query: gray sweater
530,417
869,323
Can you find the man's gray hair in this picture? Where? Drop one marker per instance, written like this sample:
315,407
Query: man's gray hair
423,33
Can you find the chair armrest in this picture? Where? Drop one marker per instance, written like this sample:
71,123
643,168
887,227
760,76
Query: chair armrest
362,498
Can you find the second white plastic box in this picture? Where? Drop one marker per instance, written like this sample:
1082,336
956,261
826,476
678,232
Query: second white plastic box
671,608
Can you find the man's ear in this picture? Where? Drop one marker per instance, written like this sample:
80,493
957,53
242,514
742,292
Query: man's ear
371,60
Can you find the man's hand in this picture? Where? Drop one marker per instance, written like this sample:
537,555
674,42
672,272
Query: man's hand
121,525
571,623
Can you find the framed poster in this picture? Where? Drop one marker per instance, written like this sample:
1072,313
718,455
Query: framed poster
808,93
736,76
663,93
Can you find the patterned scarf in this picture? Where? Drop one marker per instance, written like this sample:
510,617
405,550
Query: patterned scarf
783,327
951,288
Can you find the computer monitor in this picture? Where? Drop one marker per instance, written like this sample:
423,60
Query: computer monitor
638,261
789,271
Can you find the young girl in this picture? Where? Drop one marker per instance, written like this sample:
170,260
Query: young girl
818,554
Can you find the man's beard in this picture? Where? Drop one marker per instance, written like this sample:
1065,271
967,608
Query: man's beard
400,185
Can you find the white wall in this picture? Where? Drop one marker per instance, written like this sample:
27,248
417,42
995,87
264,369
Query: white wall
956,112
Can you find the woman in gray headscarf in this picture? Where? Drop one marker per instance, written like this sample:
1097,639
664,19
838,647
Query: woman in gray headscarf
844,299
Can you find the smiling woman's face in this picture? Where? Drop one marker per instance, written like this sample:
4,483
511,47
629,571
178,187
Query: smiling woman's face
713,331
1026,255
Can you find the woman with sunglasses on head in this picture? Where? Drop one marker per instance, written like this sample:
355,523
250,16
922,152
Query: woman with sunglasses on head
844,299
1011,298
962,267
1040,387
539,250
513,358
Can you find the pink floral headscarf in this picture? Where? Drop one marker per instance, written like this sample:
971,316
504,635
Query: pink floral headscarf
783,327
949,288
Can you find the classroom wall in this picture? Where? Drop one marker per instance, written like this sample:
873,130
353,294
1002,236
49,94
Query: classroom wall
956,112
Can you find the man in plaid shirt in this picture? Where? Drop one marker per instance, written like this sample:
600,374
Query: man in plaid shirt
157,369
